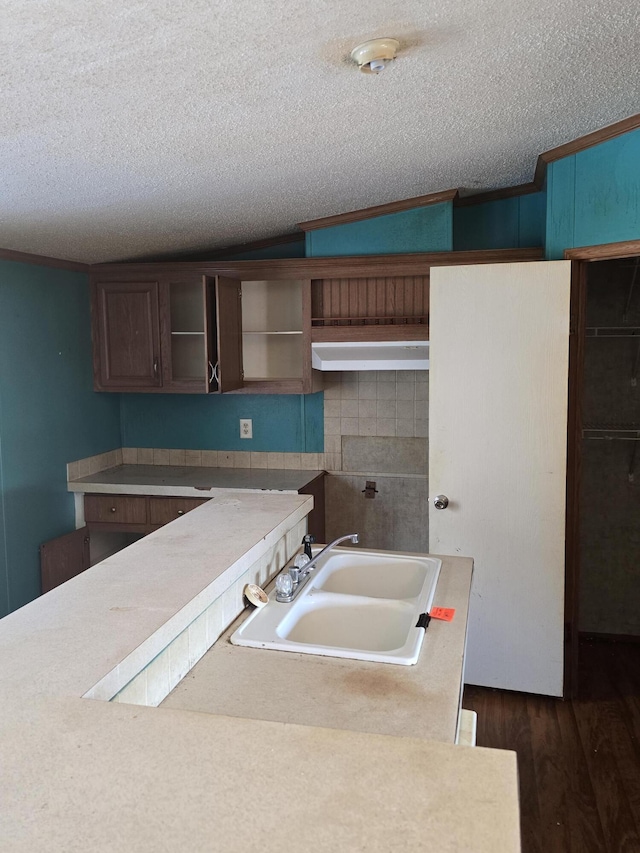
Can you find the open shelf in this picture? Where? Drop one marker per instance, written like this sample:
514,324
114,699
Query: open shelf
272,348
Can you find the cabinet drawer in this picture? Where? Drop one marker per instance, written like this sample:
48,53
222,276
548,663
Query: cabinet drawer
164,510
120,509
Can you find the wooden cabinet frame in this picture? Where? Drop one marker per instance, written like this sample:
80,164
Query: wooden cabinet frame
221,282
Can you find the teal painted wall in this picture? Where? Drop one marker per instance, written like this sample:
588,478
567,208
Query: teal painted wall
507,223
594,196
423,229
281,422
49,415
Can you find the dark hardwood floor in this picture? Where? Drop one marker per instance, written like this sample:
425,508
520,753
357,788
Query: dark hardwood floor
579,760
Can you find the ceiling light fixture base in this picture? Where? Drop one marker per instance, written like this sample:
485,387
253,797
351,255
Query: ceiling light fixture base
372,56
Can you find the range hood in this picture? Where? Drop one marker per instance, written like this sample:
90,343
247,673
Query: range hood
370,355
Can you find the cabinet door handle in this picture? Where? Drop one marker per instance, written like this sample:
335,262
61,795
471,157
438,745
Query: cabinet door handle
113,509
155,367
180,512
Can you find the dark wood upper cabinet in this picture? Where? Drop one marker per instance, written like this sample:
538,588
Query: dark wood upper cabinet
126,335
154,335
188,332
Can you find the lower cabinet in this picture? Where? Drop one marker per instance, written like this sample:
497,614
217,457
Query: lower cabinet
134,513
63,558
111,523
125,517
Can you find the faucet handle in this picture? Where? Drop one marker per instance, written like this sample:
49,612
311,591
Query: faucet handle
294,571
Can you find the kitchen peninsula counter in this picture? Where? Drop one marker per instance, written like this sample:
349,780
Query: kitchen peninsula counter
422,700
80,774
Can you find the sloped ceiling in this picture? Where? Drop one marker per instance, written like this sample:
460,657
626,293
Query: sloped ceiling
153,126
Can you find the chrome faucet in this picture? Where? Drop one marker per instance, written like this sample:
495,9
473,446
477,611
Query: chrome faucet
289,584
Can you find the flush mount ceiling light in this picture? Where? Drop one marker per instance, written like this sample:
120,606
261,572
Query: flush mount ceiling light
372,56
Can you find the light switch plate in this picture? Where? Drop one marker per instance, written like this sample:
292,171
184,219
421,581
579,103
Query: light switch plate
246,428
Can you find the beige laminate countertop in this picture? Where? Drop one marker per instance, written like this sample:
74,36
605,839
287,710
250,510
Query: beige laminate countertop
87,775
410,701
190,481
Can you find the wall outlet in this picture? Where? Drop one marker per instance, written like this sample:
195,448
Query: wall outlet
246,428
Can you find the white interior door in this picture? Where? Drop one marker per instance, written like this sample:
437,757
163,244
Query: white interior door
497,449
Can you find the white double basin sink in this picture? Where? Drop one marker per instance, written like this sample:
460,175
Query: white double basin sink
359,604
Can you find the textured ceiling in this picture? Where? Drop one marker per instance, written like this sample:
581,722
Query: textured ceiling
133,128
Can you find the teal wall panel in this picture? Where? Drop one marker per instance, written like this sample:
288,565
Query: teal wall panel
594,196
49,413
532,219
561,183
506,223
607,200
281,422
423,229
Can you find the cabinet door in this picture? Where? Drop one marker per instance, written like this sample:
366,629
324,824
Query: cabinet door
126,335
187,364
63,558
229,334
498,395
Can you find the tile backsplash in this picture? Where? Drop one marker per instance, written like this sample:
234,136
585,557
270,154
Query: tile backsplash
381,403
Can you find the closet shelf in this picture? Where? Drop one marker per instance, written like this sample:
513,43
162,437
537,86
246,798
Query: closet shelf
612,432
613,331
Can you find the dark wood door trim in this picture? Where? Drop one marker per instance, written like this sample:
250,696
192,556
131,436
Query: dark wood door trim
604,251
577,336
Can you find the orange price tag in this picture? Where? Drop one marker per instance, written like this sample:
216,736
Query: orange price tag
444,613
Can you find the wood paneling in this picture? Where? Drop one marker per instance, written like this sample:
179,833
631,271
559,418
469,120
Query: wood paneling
379,210
578,760
395,301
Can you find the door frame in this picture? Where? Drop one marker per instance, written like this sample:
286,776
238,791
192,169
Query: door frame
581,257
